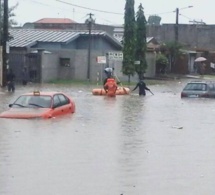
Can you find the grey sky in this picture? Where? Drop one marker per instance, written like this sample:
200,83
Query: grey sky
33,10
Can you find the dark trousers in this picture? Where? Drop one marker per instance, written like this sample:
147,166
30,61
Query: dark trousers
11,86
24,82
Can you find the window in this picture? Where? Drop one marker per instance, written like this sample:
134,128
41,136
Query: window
56,101
196,87
65,62
64,100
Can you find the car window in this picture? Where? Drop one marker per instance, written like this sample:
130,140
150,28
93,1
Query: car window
21,101
63,99
57,102
196,86
33,101
211,86
40,101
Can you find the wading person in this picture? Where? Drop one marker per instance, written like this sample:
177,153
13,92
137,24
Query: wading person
10,80
142,87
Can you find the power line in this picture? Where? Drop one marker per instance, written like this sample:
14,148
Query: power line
97,10
185,16
92,9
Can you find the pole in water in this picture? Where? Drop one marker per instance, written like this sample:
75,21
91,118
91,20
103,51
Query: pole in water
151,92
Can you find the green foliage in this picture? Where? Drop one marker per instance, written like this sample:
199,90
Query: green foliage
154,20
129,39
173,50
11,14
141,44
162,59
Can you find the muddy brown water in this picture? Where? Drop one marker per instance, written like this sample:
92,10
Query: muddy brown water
154,145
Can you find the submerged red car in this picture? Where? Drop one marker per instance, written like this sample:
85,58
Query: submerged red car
40,105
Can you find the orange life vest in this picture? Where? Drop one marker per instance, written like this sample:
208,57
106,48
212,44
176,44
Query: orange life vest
111,87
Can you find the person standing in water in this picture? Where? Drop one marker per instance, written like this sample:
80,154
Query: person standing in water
142,87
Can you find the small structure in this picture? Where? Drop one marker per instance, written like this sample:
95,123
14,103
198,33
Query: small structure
58,54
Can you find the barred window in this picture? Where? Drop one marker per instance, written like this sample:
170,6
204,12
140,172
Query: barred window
65,62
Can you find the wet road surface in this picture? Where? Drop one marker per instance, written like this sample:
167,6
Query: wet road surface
154,145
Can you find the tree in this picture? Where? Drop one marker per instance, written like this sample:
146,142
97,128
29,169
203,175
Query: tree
11,14
11,21
141,45
128,67
172,49
154,20
161,63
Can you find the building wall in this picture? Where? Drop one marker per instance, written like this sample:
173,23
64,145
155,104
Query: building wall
192,36
77,70
97,43
48,65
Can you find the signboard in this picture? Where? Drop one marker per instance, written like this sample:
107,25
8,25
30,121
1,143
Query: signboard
101,59
136,62
115,55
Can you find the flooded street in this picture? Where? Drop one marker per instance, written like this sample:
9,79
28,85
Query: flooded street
154,145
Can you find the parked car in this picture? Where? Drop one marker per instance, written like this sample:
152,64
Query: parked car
40,105
199,89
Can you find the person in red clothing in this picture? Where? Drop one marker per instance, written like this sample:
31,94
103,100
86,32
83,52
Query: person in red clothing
110,87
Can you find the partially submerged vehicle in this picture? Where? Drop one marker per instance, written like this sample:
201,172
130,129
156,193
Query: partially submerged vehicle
40,105
199,89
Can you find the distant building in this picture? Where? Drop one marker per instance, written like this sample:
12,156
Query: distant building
55,21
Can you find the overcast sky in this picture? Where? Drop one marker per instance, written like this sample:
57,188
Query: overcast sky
33,10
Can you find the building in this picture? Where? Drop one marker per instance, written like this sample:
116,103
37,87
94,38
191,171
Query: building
58,54
51,54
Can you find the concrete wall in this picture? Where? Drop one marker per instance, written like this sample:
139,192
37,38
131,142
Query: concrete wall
192,35
77,70
200,37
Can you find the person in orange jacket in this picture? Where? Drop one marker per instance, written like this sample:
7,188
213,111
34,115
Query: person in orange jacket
110,87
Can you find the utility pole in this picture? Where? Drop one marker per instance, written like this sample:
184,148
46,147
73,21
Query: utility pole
5,43
1,64
176,25
89,21
176,22
0,23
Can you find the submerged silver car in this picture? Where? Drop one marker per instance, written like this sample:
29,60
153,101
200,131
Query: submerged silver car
199,89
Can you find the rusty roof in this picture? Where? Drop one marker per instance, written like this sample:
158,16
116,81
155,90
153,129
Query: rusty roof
55,21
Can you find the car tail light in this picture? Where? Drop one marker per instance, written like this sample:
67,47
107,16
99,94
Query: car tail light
183,95
206,95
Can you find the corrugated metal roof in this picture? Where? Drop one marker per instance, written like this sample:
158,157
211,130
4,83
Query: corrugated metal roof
28,37
148,39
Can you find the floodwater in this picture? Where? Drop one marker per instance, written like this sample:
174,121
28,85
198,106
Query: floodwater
154,145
